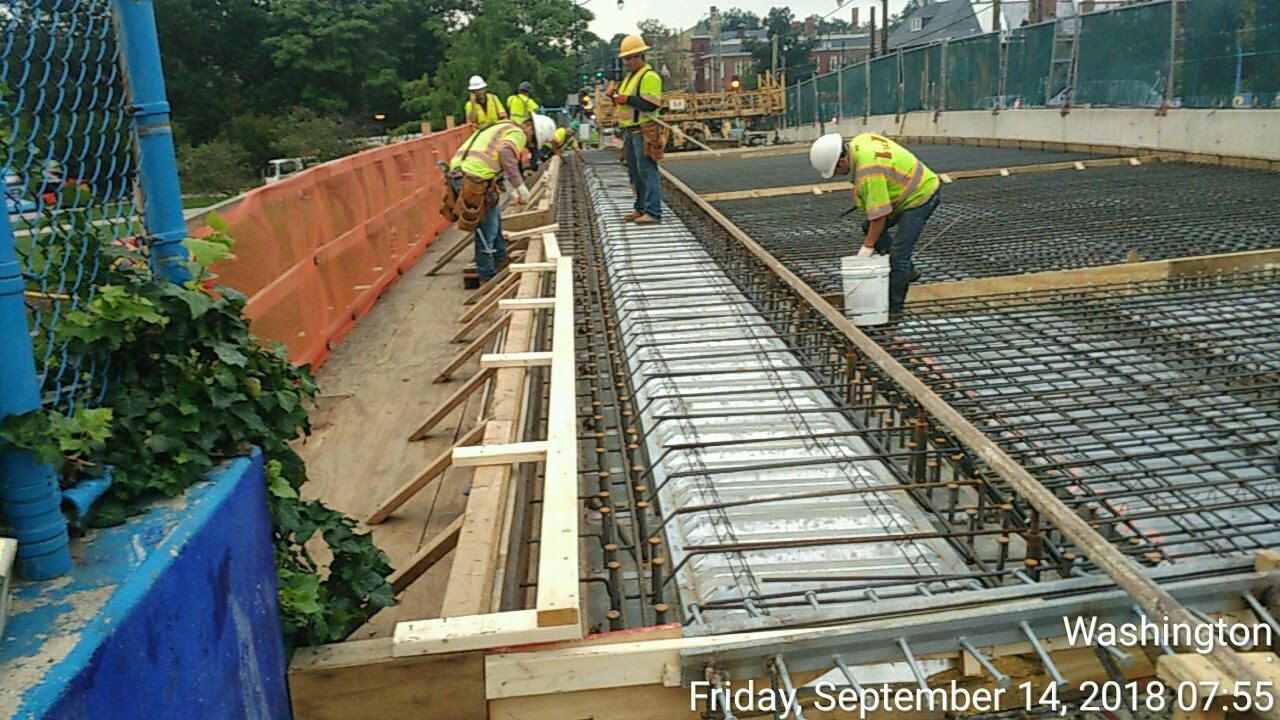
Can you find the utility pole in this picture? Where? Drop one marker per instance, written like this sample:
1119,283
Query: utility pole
715,40
995,16
884,26
873,31
775,56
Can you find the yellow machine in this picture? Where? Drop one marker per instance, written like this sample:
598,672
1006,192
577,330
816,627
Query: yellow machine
710,118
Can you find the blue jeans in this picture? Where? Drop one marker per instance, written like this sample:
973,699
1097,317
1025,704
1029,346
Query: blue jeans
899,243
644,177
490,245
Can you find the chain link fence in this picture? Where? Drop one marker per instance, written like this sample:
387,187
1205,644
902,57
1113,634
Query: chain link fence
69,164
1183,53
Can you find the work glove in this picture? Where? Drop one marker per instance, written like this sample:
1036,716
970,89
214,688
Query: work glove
865,252
522,194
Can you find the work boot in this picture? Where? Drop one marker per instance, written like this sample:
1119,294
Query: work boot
915,275
646,219
631,216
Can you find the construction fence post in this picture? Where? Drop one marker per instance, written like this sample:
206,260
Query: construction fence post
29,494
158,166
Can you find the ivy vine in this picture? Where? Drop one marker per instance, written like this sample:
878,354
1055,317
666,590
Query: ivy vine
190,386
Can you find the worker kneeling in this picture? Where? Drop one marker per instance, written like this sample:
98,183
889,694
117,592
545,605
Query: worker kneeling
565,138
897,192
486,156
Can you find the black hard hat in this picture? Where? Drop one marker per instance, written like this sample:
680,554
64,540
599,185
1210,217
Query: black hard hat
526,87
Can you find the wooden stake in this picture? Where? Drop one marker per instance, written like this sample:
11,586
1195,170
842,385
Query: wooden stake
451,253
430,554
470,350
471,327
452,403
433,470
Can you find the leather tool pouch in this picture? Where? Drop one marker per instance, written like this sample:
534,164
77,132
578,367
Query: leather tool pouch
472,203
655,140
449,201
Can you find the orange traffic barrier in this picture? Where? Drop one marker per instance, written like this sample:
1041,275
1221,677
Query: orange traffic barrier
314,252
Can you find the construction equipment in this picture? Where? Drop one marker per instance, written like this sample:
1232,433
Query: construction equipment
708,119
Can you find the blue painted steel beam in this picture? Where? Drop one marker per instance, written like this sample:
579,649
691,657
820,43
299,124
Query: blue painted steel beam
162,195
29,494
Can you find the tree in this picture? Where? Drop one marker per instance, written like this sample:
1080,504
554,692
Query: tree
733,17
793,46
218,167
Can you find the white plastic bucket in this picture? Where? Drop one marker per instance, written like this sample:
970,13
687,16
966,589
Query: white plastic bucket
866,289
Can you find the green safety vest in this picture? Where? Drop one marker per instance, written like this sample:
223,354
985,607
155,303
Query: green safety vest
649,86
479,155
887,178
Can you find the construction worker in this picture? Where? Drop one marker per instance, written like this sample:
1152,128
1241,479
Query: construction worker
565,138
521,107
639,98
894,189
483,108
489,153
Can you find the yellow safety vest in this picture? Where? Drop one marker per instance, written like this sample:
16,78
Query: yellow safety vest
479,155
560,141
887,177
649,84
526,104
491,112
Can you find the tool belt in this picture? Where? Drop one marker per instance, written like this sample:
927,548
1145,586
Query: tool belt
475,199
655,140
449,201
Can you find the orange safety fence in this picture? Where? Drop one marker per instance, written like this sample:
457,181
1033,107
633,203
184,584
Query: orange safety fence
314,252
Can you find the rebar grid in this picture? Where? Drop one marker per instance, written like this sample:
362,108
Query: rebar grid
990,227
1153,408
728,174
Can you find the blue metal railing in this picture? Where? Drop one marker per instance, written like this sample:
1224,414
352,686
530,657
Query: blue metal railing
89,162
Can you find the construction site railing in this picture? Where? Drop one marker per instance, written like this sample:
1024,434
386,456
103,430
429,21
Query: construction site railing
314,252
1171,53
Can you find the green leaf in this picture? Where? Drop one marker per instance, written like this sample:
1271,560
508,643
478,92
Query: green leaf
230,354
198,302
216,222
207,252
280,488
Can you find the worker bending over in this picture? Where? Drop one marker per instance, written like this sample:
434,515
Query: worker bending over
565,138
490,153
483,108
644,138
896,191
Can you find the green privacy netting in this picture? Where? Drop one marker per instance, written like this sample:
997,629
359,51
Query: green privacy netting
921,69
1124,56
828,96
855,90
1230,55
884,85
1030,51
972,73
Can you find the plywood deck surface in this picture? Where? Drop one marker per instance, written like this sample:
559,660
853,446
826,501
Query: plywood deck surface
375,390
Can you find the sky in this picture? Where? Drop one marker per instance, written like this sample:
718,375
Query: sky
679,15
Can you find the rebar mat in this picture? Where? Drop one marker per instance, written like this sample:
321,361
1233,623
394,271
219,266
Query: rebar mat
1036,222
743,442
1154,409
729,174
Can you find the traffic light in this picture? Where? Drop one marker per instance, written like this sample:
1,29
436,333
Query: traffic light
735,84
584,78
599,75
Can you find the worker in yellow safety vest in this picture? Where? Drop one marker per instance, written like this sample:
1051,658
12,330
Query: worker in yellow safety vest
639,98
483,108
521,107
897,192
565,138
490,153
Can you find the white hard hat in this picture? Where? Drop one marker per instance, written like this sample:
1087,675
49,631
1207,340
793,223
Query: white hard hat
825,154
477,83
544,128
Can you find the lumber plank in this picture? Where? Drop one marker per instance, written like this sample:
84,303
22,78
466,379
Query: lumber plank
433,470
524,234
475,632
471,327
431,553
474,564
503,278
502,454
361,679
453,252
558,572
451,403
532,267
527,359
531,303
505,288
470,350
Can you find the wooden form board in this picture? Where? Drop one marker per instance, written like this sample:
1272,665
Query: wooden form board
827,187
1102,275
